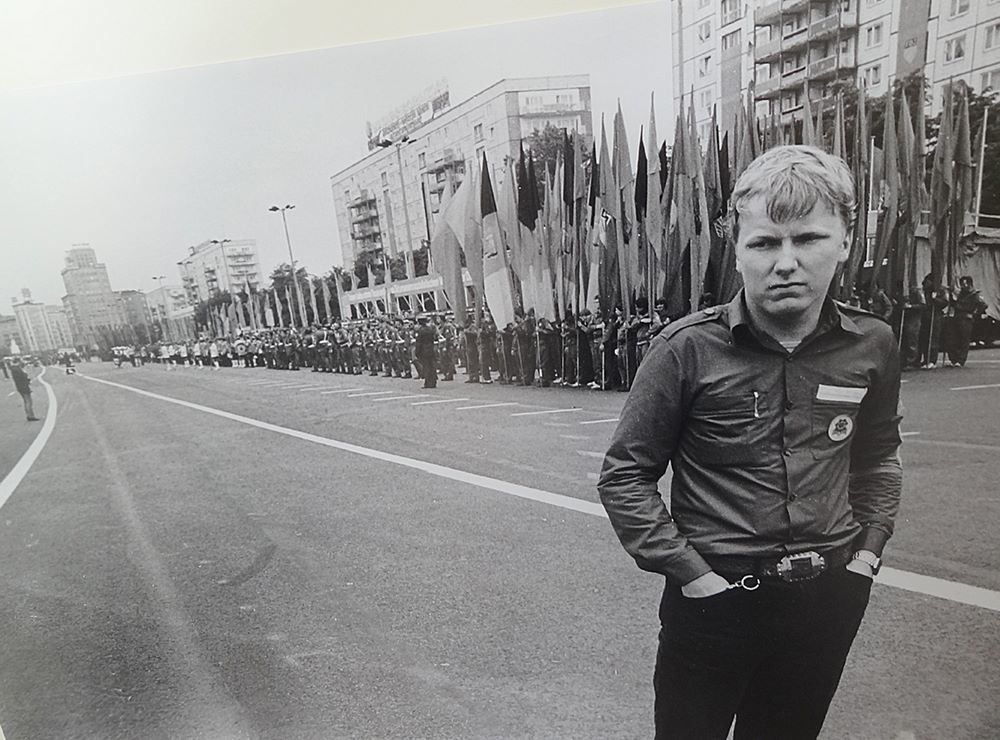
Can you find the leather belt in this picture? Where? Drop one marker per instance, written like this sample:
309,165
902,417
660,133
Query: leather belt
801,566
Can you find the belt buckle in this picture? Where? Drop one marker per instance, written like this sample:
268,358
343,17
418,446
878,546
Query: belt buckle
801,566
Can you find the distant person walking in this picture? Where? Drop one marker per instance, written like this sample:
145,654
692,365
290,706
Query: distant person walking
23,384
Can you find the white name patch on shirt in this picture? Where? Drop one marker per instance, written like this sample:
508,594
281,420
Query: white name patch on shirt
840,394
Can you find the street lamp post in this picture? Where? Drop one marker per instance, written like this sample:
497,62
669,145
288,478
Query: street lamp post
291,258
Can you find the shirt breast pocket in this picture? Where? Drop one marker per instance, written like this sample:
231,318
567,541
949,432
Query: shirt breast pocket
727,430
833,427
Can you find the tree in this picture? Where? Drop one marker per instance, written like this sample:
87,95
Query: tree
545,146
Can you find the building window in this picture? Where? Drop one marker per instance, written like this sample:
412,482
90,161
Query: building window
872,75
873,35
793,24
731,11
477,130
993,36
421,160
385,179
954,49
991,80
704,65
705,31
958,7
731,40
705,100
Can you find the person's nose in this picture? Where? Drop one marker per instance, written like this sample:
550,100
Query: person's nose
786,261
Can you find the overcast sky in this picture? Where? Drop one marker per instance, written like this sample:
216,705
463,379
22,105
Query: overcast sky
142,167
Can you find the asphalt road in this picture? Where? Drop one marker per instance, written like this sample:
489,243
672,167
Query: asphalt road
299,555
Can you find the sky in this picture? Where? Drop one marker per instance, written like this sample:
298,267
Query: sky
142,167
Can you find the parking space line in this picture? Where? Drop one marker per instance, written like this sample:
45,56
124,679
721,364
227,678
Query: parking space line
601,421
547,411
310,388
974,387
908,434
369,393
440,400
399,398
588,453
487,406
342,390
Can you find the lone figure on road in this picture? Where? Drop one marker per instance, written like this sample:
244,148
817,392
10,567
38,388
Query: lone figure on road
778,413
23,385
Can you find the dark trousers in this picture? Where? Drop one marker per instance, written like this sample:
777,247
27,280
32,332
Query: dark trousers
771,658
960,335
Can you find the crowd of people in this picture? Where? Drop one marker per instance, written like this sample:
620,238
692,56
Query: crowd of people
581,351
578,351
933,324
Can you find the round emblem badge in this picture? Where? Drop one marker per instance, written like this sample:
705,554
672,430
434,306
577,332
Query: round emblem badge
840,428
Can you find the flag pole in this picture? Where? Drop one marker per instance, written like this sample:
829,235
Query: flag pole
982,161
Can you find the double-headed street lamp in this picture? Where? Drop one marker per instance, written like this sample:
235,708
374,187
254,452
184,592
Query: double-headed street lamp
295,281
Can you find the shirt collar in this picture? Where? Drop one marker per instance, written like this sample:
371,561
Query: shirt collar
831,317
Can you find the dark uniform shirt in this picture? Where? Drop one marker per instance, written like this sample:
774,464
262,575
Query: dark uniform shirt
772,452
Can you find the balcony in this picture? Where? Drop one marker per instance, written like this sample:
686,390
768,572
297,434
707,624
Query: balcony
769,88
364,214
823,68
767,14
769,51
364,232
825,27
362,200
794,78
796,39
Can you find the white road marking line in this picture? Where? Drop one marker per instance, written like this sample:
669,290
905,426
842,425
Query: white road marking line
593,476
974,387
547,411
11,394
399,398
561,424
928,585
574,436
342,390
601,421
310,388
22,466
440,400
588,453
487,406
908,434
957,445
369,393
941,588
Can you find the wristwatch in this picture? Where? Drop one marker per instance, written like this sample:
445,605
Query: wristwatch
870,558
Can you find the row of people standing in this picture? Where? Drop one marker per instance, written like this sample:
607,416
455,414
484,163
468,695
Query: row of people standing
933,324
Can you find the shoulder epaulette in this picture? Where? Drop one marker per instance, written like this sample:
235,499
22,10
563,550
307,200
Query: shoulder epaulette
698,317
848,308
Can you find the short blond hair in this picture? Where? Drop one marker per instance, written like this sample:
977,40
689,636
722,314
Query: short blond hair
792,179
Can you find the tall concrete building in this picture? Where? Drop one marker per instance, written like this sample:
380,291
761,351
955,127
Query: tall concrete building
386,202
793,48
135,307
90,302
219,266
41,328
10,332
